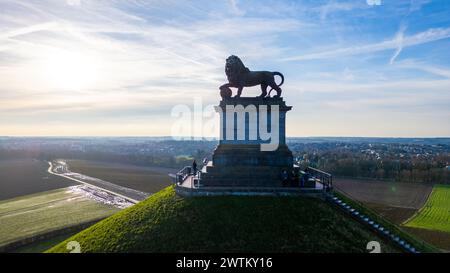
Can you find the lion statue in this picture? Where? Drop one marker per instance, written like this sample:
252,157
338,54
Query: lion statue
240,76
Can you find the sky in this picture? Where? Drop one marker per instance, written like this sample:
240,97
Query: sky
118,68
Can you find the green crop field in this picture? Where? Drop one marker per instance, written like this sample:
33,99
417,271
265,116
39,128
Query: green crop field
41,213
435,214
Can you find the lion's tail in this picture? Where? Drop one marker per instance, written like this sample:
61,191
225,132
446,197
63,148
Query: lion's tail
282,80
281,75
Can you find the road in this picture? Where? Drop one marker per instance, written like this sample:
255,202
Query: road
60,168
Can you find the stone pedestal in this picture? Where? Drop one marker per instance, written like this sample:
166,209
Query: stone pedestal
252,150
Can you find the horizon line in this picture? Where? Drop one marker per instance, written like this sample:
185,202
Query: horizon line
199,137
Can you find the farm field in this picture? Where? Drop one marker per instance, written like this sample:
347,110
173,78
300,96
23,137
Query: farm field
398,202
393,200
146,179
396,215
33,215
439,239
435,214
27,176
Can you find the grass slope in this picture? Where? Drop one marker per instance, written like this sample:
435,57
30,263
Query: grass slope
166,222
435,215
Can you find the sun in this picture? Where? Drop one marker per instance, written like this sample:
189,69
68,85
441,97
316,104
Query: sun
70,70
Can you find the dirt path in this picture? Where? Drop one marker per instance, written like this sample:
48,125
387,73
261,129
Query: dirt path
95,186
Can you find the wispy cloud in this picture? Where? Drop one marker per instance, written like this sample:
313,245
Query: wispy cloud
333,6
398,42
235,8
417,4
417,65
29,29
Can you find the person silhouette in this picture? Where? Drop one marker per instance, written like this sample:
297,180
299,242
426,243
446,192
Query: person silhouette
194,167
284,178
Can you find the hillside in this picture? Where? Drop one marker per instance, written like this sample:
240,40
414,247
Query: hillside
166,222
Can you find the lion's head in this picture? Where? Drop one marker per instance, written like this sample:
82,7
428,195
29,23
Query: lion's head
234,68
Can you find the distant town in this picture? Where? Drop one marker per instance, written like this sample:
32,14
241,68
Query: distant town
424,160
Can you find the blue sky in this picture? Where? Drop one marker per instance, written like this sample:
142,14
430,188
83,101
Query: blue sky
352,68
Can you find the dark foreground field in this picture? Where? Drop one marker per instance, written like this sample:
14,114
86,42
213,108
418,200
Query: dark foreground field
146,179
437,238
27,176
393,200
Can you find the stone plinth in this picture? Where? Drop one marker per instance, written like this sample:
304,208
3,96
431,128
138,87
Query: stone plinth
252,150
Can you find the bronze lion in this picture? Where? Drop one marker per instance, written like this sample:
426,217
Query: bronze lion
240,76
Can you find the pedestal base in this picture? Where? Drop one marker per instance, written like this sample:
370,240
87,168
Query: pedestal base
246,165
240,160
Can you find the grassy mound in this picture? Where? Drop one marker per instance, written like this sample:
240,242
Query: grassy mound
166,222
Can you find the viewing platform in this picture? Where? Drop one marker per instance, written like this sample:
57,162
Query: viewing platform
187,184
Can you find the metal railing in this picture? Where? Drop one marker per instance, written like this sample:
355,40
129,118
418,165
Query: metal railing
185,173
322,177
317,175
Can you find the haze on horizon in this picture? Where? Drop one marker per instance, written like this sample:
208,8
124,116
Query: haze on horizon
117,68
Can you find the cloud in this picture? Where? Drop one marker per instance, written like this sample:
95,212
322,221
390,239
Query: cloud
333,6
73,2
398,42
418,65
29,29
234,7
373,2
417,4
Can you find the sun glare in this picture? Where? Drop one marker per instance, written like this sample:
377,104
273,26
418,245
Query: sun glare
70,70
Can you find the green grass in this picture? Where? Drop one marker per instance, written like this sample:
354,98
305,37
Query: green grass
36,214
419,244
42,245
435,214
166,222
